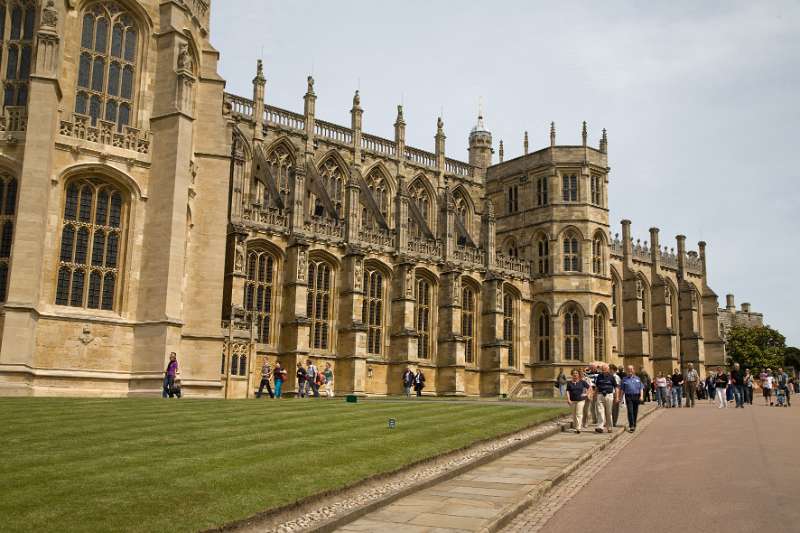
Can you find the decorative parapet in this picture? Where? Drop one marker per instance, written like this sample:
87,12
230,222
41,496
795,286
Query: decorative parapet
106,133
641,252
512,264
14,119
377,237
693,263
616,247
668,258
333,132
458,168
241,107
269,219
425,247
324,228
280,118
468,254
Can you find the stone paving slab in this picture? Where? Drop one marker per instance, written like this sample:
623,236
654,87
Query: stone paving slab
479,498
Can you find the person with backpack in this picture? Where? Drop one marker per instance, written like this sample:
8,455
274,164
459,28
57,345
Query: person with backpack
783,383
266,374
408,381
419,382
278,376
301,380
171,388
312,378
328,375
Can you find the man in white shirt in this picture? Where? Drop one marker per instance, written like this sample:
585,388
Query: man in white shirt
767,384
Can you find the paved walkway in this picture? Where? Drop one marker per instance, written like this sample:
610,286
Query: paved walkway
471,501
703,469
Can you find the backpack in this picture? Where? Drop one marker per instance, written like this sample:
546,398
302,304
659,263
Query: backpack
320,379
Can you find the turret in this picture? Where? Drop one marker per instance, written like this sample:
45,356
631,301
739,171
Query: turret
480,145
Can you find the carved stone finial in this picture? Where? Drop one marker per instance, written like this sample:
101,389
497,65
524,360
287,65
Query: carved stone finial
501,151
259,72
584,133
439,125
310,85
525,143
552,134
356,100
488,207
400,115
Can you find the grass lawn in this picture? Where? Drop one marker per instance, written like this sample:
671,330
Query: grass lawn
186,465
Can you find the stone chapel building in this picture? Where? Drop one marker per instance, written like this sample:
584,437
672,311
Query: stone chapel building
144,210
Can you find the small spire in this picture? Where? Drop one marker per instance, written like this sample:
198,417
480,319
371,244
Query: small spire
526,143
552,134
604,142
501,150
584,133
310,90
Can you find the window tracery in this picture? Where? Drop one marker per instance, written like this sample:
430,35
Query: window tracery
572,335
259,292
572,256
468,322
318,304
423,317
8,212
372,310
543,335
18,20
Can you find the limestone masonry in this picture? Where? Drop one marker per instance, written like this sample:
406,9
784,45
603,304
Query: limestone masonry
145,210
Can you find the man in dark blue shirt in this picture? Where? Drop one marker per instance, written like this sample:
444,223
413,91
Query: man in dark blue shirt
633,390
605,387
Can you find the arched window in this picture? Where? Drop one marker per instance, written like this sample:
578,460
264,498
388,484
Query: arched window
8,211
509,327
372,310
614,288
599,323
511,248
17,23
572,335
379,188
597,255
543,255
107,65
644,297
259,292
541,191
318,304
572,254
282,167
513,198
569,188
597,190
468,322
333,180
543,335
91,245
419,195
423,317
463,212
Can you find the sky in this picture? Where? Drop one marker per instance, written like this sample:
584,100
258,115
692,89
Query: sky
701,101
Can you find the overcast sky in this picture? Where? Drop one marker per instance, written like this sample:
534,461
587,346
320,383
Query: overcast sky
700,100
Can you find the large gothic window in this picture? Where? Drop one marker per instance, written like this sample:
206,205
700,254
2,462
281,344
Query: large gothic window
17,24
571,252
614,289
599,323
8,211
423,317
509,327
107,65
468,323
372,311
419,195
541,191
318,304
572,335
379,189
259,292
91,245
543,335
282,167
333,182
597,190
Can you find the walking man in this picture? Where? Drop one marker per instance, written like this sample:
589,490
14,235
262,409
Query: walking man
590,406
646,382
737,382
408,381
577,391
767,381
311,378
605,388
266,375
692,379
633,390
783,384
561,381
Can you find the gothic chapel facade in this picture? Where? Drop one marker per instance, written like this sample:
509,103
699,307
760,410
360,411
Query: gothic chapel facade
144,210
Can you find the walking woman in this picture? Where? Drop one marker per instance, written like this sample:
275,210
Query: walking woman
711,386
577,391
170,388
721,385
661,390
419,382
328,373
278,376
748,387
301,380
